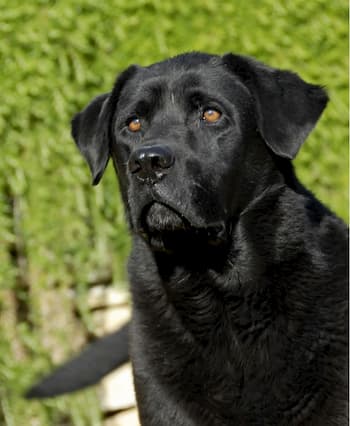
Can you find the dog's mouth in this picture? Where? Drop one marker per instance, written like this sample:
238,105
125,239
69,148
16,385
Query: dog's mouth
158,217
167,229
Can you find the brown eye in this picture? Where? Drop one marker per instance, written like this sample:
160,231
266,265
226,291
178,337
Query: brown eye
134,125
211,115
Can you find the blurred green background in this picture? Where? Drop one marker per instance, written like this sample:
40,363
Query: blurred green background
59,233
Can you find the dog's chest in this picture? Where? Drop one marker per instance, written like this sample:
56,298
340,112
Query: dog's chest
214,346
250,340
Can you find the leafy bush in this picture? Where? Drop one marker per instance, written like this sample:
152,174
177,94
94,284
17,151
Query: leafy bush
56,231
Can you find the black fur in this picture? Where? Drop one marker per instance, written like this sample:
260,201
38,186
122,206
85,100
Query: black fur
238,274
86,369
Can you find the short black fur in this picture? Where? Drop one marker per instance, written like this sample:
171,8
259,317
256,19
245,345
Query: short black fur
238,274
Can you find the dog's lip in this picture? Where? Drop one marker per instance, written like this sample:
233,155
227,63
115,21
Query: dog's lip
188,217
142,219
216,232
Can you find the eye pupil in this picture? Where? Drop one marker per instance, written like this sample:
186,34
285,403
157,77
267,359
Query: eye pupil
134,124
211,115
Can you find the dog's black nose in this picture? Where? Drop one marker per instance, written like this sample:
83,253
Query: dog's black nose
150,163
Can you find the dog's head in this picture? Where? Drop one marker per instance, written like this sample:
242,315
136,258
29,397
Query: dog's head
192,140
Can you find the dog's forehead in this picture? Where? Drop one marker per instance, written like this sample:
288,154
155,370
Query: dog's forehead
176,77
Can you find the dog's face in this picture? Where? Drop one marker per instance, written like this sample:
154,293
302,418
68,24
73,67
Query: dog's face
186,138
179,146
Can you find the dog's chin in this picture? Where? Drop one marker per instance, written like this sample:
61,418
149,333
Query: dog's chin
160,218
167,230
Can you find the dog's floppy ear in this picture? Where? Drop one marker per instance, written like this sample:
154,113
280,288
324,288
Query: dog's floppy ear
91,127
90,132
287,107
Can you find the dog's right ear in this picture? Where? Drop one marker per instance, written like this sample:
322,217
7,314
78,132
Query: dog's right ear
91,127
90,133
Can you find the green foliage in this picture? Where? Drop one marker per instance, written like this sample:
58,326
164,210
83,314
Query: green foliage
55,230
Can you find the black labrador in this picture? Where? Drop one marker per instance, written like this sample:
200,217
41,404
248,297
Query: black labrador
238,273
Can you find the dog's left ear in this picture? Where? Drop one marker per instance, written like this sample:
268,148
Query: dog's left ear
91,127
287,107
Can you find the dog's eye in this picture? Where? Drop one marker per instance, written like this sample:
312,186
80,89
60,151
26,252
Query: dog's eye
211,115
134,124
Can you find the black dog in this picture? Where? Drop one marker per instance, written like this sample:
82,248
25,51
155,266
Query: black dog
238,274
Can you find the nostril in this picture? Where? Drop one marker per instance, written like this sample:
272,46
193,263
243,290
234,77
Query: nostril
155,162
160,162
134,165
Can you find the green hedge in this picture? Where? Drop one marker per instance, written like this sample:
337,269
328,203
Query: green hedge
58,232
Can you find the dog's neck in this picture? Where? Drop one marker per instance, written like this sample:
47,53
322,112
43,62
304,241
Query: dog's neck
206,310
255,209
213,278
218,279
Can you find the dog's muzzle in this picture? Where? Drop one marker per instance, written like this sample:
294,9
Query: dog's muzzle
167,229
